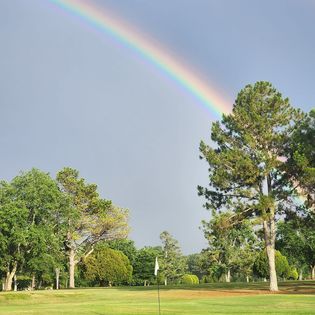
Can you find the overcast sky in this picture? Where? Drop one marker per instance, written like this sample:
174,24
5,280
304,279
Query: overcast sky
70,96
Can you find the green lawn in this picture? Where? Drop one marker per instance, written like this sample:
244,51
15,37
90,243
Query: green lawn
234,298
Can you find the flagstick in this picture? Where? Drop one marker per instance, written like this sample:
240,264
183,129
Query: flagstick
156,269
158,285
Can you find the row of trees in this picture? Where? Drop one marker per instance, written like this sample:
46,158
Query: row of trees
233,255
52,224
261,160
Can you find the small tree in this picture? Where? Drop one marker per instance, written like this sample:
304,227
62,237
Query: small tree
173,264
107,266
143,266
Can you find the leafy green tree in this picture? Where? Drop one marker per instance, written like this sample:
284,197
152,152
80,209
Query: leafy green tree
198,264
13,235
300,153
108,266
36,200
46,206
246,172
173,264
124,245
143,266
282,265
296,239
228,245
90,219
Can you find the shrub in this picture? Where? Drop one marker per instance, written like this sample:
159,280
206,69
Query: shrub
190,279
293,274
107,266
261,267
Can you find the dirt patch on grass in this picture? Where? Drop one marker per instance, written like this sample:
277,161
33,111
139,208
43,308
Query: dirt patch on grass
193,294
185,294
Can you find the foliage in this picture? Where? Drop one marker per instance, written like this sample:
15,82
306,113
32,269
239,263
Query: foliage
90,219
198,264
301,158
143,267
38,204
13,235
231,248
282,266
246,173
173,264
189,279
108,266
124,245
296,238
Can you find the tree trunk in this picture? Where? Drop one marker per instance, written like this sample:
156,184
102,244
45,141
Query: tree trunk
269,225
9,278
313,272
15,283
33,283
247,279
270,233
228,276
301,275
72,264
57,272
165,281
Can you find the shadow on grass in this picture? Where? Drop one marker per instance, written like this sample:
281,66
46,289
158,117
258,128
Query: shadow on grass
287,287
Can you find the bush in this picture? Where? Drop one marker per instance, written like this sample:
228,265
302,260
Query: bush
107,266
190,279
293,274
261,267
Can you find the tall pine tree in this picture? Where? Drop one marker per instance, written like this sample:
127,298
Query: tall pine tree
246,164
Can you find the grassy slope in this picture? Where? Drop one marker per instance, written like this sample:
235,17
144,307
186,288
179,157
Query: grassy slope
205,299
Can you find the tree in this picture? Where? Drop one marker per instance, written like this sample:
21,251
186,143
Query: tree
300,153
13,235
143,266
37,202
228,245
261,265
90,219
246,171
108,266
173,264
124,245
198,264
296,239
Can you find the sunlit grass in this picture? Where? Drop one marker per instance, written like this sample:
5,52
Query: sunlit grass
234,298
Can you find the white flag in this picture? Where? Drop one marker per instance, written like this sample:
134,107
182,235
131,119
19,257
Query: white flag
156,268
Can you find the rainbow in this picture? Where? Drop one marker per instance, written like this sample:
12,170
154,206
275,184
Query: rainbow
152,52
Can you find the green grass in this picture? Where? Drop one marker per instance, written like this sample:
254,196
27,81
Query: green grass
234,298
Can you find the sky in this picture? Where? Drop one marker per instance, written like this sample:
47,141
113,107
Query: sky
71,95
